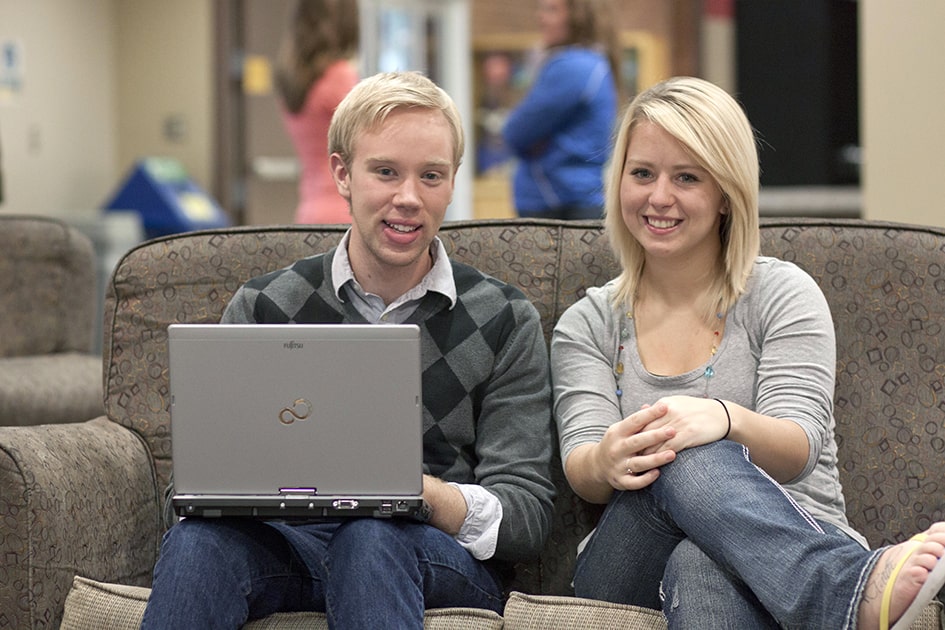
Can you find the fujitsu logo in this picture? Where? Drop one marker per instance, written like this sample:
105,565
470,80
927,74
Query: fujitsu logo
293,345
301,409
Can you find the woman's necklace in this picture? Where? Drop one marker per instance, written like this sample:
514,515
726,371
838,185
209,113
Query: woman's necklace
716,339
707,374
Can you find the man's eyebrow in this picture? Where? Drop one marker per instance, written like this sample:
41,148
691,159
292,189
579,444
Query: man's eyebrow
380,159
440,163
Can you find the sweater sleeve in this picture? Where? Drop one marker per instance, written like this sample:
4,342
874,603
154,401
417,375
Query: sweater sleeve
796,347
514,437
586,402
240,308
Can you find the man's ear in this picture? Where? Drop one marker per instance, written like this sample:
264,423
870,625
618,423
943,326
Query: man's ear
341,175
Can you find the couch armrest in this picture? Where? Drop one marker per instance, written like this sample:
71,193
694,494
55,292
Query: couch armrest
74,499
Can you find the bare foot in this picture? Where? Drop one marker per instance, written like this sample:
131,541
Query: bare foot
909,563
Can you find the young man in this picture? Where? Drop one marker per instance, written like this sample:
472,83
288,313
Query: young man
396,142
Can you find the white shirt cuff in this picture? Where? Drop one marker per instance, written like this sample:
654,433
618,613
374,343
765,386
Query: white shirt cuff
480,531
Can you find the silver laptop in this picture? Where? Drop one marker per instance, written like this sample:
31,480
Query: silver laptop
296,421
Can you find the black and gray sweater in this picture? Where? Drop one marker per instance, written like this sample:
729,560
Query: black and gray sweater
486,393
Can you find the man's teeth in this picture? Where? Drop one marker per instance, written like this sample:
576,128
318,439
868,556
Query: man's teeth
401,228
662,223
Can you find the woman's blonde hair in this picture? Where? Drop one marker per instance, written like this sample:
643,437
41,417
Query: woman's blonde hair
369,103
713,128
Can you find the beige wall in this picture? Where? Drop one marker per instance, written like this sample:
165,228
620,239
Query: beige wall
718,52
101,78
902,98
165,78
58,131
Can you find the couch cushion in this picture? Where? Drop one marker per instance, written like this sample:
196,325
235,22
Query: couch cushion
50,389
539,612
93,605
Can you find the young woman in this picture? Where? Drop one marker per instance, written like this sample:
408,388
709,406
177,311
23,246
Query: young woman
314,72
694,396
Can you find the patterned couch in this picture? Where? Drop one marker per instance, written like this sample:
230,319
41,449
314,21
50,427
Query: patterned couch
48,302
85,499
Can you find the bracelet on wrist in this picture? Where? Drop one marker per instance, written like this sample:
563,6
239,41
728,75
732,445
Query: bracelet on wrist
728,417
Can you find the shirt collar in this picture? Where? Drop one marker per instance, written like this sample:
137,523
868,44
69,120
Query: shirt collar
439,279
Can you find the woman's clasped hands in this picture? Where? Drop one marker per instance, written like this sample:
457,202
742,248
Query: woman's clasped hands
633,450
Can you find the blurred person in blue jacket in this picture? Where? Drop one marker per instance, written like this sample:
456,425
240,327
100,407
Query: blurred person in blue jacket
561,130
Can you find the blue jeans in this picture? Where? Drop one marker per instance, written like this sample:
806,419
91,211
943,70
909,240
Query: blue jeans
716,543
364,573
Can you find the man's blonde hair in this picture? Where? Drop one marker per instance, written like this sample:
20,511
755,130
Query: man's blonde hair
369,103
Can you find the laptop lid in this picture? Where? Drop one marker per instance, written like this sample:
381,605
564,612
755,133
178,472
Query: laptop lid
302,420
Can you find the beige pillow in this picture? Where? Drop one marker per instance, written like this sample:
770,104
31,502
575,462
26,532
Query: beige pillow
540,612
92,605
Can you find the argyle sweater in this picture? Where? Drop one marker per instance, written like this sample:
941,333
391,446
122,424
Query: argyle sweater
486,385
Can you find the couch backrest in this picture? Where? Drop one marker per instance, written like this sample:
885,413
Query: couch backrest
190,278
48,296
885,284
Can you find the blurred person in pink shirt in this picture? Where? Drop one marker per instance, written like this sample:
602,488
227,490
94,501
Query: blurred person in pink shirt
315,70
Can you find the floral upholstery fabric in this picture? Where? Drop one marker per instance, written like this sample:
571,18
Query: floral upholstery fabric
96,512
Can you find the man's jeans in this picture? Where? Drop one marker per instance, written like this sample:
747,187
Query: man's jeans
365,573
716,543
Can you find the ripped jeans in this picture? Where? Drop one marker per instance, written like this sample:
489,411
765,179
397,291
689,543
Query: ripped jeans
716,543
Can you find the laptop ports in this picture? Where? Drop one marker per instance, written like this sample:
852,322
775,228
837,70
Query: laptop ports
345,504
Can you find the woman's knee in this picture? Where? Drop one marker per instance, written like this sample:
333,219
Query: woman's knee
720,455
704,468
